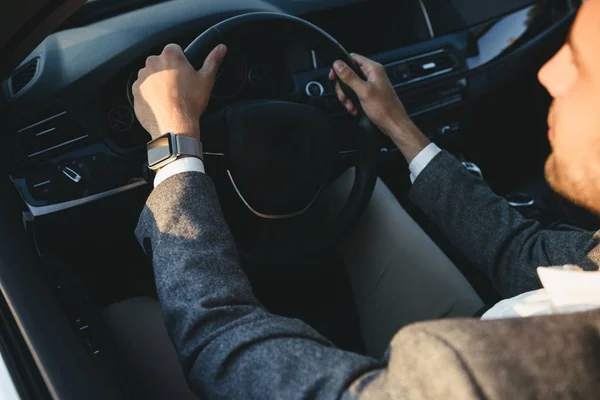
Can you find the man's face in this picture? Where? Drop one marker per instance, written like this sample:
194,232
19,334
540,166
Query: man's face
572,77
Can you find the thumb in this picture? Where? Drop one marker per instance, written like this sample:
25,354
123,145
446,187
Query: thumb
349,77
213,61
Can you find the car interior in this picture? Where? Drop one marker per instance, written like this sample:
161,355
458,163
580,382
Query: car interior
77,179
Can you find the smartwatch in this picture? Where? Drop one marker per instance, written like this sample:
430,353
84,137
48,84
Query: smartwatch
169,147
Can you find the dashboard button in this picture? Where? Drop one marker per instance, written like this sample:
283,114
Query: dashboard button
314,89
71,174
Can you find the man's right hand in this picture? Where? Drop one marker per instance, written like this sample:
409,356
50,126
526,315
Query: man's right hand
170,96
380,102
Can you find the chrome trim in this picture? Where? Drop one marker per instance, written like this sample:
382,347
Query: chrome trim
415,57
429,65
213,154
46,131
37,185
50,209
321,89
423,78
348,152
472,167
267,216
58,146
455,100
72,175
42,121
427,19
526,204
314,59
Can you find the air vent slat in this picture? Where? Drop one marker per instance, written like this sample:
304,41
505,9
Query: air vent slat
421,67
23,77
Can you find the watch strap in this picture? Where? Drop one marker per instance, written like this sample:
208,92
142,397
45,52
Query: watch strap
188,146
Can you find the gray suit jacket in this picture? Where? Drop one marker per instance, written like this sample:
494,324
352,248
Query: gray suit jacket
233,348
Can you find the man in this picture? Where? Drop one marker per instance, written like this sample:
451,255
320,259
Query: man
232,348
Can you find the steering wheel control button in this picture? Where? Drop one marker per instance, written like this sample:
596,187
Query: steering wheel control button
121,119
72,175
314,89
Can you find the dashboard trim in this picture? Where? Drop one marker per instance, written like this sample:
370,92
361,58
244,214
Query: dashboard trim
45,131
58,146
423,78
42,121
53,208
427,19
455,100
269,216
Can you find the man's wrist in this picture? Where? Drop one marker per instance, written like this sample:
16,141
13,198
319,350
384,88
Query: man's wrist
408,138
192,131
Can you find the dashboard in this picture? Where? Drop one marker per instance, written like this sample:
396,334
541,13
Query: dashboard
69,108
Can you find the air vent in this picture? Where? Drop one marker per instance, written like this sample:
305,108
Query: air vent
50,132
23,77
432,97
422,67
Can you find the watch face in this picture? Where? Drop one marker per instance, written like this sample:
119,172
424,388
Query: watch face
160,150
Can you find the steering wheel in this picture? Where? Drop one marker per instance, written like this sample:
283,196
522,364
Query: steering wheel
277,154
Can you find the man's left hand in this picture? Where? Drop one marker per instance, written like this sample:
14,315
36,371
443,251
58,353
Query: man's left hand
170,96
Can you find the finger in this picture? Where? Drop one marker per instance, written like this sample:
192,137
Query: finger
331,75
367,66
349,77
142,74
352,109
340,93
213,62
349,106
152,62
346,102
135,88
173,49
361,60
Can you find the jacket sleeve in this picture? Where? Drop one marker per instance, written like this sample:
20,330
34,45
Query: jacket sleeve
496,238
229,345
549,357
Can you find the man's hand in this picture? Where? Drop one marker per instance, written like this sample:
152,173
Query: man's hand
380,102
170,96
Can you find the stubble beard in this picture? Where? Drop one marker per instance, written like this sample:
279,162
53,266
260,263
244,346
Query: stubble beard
575,186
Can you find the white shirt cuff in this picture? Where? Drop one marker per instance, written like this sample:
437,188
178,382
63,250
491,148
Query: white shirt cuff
186,164
422,159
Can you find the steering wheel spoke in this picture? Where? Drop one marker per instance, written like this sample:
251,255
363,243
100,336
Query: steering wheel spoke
213,132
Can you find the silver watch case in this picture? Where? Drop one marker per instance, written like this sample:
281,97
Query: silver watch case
169,147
